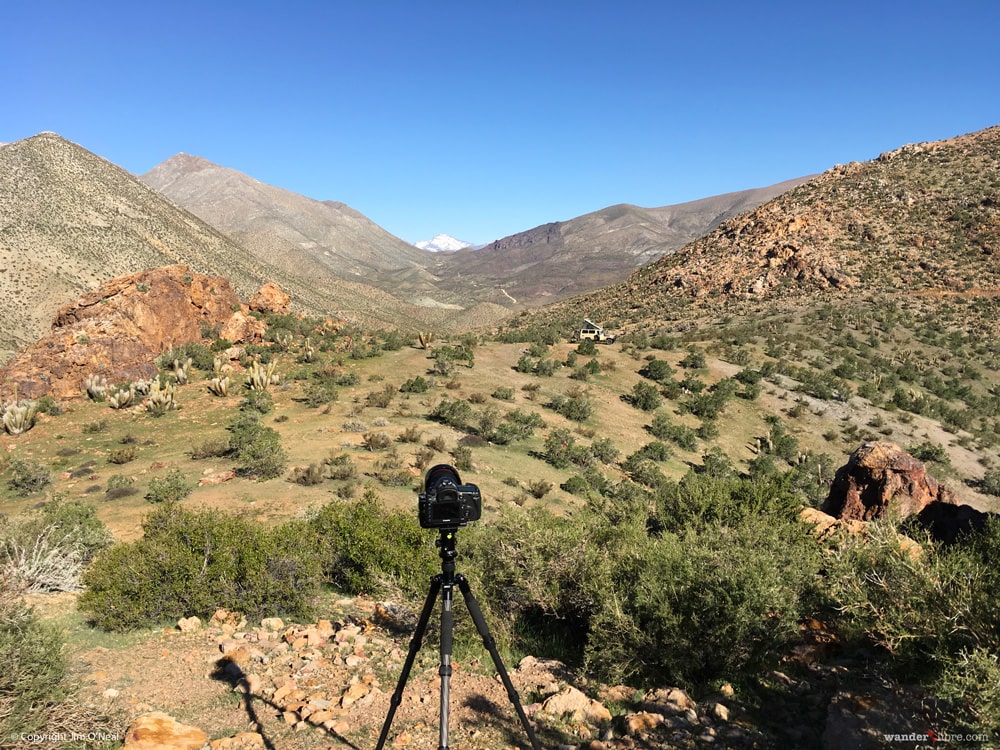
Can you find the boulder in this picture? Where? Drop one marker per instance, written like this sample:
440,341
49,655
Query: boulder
159,731
243,329
880,479
117,331
575,706
270,298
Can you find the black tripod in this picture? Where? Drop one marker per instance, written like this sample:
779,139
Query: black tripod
445,582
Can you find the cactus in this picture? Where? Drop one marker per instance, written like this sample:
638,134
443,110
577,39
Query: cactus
425,339
96,387
19,416
308,352
160,399
122,396
142,387
181,371
259,377
219,385
284,341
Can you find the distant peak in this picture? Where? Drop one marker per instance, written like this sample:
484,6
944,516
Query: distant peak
442,243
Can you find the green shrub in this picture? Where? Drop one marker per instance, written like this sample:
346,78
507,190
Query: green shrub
27,477
257,401
644,396
34,665
416,384
504,393
341,467
575,406
123,455
309,476
369,549
538,577
463,458
168,489
732,604
194,562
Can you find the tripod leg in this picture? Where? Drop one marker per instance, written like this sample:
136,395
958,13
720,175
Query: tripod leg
491,646
447,629
418,637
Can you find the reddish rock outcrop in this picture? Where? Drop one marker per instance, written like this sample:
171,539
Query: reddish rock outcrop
159,731
117,331
880,478
270,298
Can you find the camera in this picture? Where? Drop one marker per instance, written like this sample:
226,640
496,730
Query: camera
446,502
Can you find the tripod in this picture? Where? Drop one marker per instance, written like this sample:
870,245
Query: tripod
445,582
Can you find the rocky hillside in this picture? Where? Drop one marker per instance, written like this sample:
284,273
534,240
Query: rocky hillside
299,234
923,219
569,257
72,221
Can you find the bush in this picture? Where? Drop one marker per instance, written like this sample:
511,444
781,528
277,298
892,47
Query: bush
257,401
123,455
644,396
504,393
733,604
34,665
415,385
368,549
257,448
27,477
192,563
169,489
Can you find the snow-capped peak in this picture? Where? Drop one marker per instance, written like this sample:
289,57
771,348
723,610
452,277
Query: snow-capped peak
441,243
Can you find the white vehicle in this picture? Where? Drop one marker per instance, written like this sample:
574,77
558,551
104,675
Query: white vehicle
590,331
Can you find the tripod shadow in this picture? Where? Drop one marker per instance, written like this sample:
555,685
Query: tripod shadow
229,673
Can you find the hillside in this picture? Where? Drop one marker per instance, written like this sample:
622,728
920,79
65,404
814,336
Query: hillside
73,220
564,258
921,220
299,234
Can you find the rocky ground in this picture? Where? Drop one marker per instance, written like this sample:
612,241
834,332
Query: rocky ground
225,685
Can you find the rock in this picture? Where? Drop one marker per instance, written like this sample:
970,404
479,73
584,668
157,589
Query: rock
394,617
575,707
947,522
668,701
188,624
719,712
159,731
270,298
241,741
117,331
643,721
272,623
243,329
217,478
881,478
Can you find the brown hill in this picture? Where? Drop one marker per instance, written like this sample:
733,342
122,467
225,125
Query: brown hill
569,257
72,221
923,219
299,234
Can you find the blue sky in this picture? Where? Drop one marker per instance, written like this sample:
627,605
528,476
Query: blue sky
484,119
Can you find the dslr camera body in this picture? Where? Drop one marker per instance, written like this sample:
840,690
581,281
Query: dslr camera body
446,503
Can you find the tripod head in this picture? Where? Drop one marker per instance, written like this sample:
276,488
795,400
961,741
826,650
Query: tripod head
446,551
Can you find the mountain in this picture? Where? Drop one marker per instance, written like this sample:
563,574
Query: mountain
564,258
442,243
302,235
922,221
72,220
547,263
